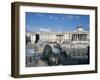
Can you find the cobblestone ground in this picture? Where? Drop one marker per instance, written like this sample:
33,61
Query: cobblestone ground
40,63
67,61
64,61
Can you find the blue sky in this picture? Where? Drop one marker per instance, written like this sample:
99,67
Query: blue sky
55,22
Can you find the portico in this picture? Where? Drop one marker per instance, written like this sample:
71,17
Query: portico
80,37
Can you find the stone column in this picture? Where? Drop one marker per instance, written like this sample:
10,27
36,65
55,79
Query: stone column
77,37
83,37
86,37
74,37
80,37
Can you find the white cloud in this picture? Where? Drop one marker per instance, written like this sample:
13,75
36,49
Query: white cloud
77,17
39,14
56,18
35,28
70,17
31,29
44,29
63,18
50,17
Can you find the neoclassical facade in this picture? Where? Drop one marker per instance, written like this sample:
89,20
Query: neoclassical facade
77,36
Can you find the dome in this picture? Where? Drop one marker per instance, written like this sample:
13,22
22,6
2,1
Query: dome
80,28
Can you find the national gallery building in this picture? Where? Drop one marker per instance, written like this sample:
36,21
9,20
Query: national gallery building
77,36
